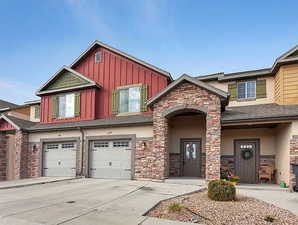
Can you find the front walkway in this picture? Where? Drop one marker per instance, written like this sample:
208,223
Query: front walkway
88,202
272,194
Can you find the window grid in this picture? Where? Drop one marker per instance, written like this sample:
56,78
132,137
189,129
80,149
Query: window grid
52,146
68,145
246,90
100,144
121,144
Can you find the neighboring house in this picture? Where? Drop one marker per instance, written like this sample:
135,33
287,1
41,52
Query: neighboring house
111,115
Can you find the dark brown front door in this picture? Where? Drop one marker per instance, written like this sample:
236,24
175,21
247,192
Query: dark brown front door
191,150
246,158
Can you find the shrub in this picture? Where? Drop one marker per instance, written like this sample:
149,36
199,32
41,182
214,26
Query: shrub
234,178
175,207
220,190
269,219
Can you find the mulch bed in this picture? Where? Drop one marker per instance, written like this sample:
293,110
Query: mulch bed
198,208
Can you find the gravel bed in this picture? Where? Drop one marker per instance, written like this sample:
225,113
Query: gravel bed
198,208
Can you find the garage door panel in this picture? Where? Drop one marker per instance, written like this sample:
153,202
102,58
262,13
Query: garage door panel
59,159
110,159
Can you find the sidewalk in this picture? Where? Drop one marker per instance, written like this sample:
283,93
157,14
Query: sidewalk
32,181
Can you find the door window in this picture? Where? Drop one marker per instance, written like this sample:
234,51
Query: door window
190,151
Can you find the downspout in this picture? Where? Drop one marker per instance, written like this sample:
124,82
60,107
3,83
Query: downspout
82,151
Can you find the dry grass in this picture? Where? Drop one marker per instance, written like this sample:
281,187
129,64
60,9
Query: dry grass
199,208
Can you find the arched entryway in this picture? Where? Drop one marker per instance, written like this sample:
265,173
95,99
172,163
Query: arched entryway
187,142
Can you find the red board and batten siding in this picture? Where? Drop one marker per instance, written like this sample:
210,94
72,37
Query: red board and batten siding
115,71
5,126
87,107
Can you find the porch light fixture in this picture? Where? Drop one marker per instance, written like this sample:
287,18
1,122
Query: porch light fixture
34,148
144,145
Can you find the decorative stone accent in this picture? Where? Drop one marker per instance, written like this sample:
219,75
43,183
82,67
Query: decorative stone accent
3,156
21,155
34,160
143,158
293,158
184,96
175,165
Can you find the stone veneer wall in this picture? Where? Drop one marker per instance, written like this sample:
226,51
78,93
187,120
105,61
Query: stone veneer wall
34,160
293,158
3,156
190,95
143,158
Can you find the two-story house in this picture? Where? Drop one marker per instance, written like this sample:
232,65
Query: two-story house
111,115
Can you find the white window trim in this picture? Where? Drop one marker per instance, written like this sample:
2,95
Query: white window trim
245,82
128,87
66,117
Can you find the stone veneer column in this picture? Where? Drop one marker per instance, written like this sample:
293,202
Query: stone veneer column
293,158
160,153
3,156
21,155
213,141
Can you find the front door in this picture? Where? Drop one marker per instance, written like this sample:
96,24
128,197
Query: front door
191,150
246,156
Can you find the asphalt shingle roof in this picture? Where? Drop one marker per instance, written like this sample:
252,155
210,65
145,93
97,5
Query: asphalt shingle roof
259,112
107,122
5,104
23,124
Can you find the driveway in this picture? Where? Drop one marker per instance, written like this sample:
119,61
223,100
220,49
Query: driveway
85,201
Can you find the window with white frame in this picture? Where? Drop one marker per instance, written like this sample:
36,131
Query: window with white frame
130,99
246,90
66,104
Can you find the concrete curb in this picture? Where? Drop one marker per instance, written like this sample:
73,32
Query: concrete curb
38,183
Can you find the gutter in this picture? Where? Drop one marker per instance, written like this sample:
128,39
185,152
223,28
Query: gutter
270,119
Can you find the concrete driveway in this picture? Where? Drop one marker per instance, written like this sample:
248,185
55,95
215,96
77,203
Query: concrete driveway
86,202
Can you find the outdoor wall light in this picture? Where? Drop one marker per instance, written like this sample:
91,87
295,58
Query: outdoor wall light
34,148
143,145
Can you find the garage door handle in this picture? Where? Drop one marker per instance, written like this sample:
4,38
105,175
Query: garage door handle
127,170
92,168
128,149
45,168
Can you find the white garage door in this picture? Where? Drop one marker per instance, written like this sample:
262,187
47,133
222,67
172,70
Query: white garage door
59,159
110,159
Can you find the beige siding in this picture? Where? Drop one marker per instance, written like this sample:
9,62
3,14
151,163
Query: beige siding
266,136
286,85
282,160
269,92
186,127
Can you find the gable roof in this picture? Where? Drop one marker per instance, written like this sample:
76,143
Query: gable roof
18,123
4,105
185,77
45,88
98,43
288,57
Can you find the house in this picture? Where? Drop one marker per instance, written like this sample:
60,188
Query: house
111,115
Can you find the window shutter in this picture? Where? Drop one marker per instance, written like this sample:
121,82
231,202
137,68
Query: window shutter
144,96
77,104
261,89
232,89
115,102
55,108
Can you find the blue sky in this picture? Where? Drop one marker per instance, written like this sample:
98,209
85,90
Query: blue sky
180,36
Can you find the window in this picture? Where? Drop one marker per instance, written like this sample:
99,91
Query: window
121,144
101,144
98,57
52,146
66,104
37,111
130,99
68,145
246,89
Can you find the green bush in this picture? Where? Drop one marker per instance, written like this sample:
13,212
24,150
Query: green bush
220,190
175,207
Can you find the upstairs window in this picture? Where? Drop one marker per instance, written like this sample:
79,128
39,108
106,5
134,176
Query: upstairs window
246,90
66,106
130,99
98,57
37,112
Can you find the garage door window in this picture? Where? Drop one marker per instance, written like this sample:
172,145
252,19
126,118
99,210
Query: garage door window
100,144
68,145
121,144
52,146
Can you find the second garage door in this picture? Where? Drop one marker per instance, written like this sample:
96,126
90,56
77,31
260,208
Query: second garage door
110,159
59,159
